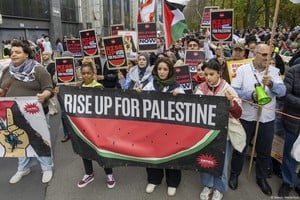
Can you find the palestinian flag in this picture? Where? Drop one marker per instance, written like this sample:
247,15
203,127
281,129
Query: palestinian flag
174,23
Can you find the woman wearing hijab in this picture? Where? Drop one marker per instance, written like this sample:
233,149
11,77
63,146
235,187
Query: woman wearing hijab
139,75
26,77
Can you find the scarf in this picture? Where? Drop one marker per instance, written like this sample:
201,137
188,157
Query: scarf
160,84
142,72
23,72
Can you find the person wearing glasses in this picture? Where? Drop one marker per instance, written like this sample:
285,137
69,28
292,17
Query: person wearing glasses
244,84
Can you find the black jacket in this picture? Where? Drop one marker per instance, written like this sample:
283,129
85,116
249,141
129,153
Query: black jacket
292,100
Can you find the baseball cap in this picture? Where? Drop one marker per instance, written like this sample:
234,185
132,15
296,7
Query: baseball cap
239,46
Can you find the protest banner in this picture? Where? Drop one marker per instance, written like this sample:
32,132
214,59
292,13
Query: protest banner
206,16
115,28
221,25
149,129
23,128
233,65
147,37
65,70
74,46
130,40
89,42
115,52
183,77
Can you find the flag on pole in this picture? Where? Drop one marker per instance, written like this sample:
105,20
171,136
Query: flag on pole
174,23
146,12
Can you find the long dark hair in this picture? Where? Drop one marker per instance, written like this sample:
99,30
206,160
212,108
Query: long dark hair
169,64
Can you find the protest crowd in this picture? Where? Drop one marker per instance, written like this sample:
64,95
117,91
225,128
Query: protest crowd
250,65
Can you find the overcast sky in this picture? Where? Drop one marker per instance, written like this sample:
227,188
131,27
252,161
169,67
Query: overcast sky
184,2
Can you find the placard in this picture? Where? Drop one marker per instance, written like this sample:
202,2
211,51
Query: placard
206,16
115,28
74,46
183,77
233,65
147,37
221,25
115,52
89,42
65,70
192,59
130,40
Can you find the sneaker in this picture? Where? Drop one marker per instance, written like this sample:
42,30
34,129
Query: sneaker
47,176
204,195
110,181
171,191
150,188
18,176
86,179
284,190
217,195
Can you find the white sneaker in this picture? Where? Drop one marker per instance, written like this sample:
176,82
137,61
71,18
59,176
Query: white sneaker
204,195
47,176
18,176
150,188
171,191
217,195
110,181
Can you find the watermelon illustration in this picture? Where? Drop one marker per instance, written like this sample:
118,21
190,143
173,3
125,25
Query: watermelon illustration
141,141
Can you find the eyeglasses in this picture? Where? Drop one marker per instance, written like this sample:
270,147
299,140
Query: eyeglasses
263,54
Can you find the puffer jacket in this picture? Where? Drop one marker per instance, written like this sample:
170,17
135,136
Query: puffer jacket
292,100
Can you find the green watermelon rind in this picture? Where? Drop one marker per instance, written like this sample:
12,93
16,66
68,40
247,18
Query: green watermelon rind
207,139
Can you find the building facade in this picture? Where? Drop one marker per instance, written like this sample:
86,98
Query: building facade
29,19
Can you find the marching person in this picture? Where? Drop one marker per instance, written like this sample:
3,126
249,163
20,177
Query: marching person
291,127
216,86
244,84
164,80
87,72
30,79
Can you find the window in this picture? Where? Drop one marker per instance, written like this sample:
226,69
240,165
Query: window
36,9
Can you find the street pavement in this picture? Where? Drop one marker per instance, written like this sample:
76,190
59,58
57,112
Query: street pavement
130,185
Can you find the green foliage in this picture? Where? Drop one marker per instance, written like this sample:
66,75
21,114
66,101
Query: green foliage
248,13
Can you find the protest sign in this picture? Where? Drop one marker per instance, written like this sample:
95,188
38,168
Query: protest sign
206,16
221,25
115,52
74,46
149,129
183,77
89,42
147,37
115,28
65,70
23,128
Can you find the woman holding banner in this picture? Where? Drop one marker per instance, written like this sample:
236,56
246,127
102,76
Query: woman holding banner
216,86
164,80
26,77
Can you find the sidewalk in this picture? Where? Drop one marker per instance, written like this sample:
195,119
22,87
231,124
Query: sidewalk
130,181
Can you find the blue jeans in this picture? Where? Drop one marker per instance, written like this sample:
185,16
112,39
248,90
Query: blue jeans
218,183
289,165
27,162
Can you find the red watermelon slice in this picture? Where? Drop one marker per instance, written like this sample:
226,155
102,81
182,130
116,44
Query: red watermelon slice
141,141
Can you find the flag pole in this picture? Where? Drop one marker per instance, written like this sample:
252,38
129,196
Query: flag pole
266,73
